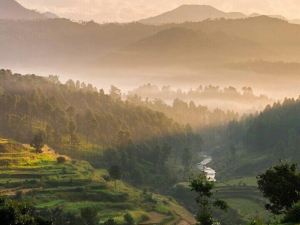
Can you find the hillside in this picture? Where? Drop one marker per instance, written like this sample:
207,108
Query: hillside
45,103
12,10
190,47
260,141
73,185
191,13
81,121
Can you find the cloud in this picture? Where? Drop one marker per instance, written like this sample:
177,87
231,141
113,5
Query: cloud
129,10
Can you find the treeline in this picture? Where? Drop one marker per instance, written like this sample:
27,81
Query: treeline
261,140
208,92
197,116
276,130
74,109
77,119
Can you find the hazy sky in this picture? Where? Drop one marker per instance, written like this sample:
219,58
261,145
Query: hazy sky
129,10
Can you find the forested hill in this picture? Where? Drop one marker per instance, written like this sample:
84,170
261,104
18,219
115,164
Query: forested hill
74,112
276,130
259,141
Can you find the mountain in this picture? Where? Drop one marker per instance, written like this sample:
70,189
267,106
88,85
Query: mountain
271,16
191,13
12,10
66,47
188,41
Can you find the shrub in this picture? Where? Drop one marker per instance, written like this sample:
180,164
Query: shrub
293,215
106,178
61,159
110,222
128,219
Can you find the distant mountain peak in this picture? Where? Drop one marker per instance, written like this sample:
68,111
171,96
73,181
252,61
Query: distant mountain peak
13,10
191,13
188,6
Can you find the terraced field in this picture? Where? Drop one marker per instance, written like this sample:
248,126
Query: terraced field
72,185
246,200
242,195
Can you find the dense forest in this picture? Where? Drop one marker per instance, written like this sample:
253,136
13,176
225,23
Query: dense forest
261,140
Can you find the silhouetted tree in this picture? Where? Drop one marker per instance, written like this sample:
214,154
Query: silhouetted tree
205,200
38,142
115,174
19,213
89,216
186,159
128,219
281,186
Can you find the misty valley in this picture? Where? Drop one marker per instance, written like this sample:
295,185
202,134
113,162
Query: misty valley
189,117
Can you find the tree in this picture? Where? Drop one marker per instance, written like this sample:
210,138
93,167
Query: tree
73,139
186,159
110,222
19,213
38,142
90,124
89,216
115,174
205,200
128,219
281,186
115,93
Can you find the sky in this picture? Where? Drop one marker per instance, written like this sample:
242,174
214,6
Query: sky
132,10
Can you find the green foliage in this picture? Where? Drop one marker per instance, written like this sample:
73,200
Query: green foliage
115,173
205,200
110,222
187,159
80,121
61,191
19,213
38,142
293,215
61,159
32,103
281,186
128,219
89,216
202,186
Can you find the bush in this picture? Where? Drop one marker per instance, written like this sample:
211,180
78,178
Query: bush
128,219
61,159
106,178
293,215
110,222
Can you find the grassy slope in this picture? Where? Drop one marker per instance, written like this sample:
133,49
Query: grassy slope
76,184
242,195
